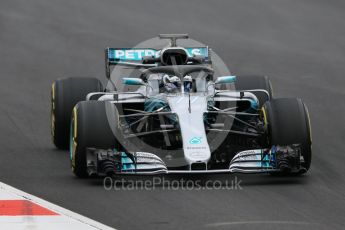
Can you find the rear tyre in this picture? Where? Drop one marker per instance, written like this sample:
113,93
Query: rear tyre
65,94
93,124
287,122
256,82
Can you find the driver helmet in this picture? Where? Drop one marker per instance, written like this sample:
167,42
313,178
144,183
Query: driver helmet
187,83
171,84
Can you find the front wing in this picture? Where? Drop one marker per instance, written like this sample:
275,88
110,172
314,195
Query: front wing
276,159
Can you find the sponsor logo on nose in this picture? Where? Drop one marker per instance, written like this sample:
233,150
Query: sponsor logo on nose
195,140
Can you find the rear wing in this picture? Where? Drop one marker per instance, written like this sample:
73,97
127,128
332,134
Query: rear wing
134,56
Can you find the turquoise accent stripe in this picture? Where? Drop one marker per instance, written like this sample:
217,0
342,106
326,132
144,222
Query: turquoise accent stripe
132,81
126,162
254,104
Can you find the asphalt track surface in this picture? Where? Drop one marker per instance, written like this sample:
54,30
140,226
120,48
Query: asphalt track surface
298,43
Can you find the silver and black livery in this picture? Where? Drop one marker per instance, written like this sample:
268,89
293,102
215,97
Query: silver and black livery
167,111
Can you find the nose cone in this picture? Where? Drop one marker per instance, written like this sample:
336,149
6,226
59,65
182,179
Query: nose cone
195,145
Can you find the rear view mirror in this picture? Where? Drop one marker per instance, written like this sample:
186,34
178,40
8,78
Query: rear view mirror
132,81
225,79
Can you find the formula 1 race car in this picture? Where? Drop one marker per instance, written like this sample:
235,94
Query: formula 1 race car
168,111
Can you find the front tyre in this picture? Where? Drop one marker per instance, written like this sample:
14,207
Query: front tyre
93,124
287,123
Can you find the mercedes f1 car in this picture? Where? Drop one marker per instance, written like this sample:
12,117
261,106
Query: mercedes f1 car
168,111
